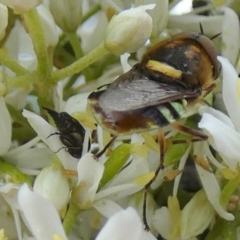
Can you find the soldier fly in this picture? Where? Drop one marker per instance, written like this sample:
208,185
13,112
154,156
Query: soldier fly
172,77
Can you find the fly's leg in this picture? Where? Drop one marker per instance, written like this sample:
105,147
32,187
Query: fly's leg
99,154
197,136
161,140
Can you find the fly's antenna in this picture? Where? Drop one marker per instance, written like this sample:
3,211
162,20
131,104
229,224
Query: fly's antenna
201,29
215,36
202,32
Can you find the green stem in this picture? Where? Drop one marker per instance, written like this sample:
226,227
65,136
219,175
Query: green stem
34,26
70,217
92,11
21,81
80,64
75,42
7,61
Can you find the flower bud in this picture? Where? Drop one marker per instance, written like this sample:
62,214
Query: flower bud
159,15
49,27
51,184
196,216
129,30
67,13
22,6
3,20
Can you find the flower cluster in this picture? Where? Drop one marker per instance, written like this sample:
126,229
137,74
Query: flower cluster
53,54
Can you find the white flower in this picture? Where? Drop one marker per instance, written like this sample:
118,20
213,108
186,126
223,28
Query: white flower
21,6
173,223
5,128
129,30
86,194
8,198
40,215
53,185
196,216
90,173
24,156
230,35
127,225
67,13
224,136
48,26
212,120
159,14
213,191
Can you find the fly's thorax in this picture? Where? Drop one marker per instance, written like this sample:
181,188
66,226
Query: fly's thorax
190,59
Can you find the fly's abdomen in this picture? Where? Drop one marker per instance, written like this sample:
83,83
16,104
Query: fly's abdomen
163,115
172,111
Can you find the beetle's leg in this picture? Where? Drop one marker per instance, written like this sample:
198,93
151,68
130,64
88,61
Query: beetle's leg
56,133
61,149
99,154
161,141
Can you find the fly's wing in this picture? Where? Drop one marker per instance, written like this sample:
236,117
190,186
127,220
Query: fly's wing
132,91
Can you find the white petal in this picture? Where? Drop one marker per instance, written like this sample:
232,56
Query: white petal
230,35
76,103
53,185
137,167
230,96
180,167
44,129
147,236
32,158
5,128
40,214
9,193
49,26
21,6
196,216
3,20
107,207
223,138
67,14
92,32
159,14
212,25
124,61
90,172
213,191
118,192
126,225
17,98
162,222
217,114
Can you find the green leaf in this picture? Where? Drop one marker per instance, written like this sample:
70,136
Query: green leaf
229,189
223,230
115,163
13,174
175,152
